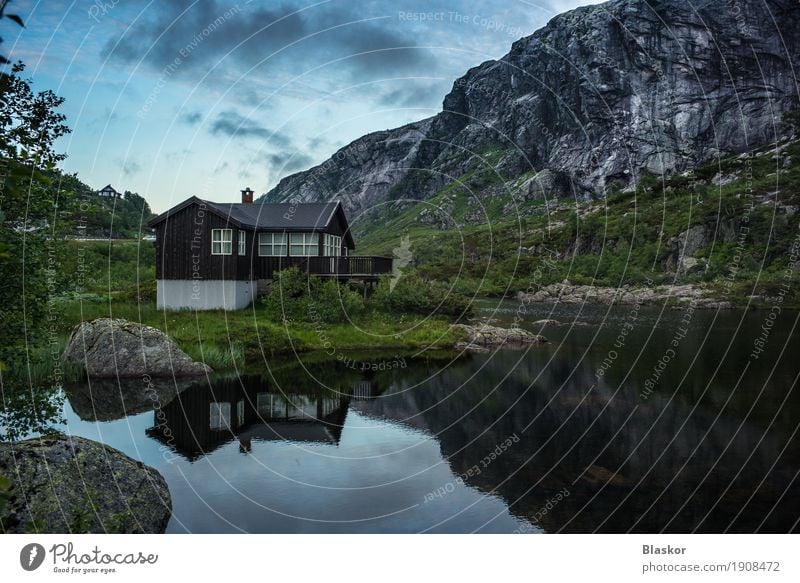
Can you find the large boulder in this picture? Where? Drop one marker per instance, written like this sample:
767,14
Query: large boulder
117,348
63,484
484,336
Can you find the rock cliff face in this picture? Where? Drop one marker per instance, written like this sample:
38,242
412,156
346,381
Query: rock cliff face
596,96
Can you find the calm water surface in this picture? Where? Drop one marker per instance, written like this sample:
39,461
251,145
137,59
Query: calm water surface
630,419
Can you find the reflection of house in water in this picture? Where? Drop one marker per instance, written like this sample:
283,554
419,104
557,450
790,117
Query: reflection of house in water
248,409
364,390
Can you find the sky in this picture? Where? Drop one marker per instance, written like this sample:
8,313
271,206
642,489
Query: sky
204,97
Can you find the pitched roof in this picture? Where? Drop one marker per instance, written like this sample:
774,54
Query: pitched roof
269,216
292,217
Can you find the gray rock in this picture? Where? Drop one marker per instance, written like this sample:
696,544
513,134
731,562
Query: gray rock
484,335
469,347
547,323
721,179
116,348
64,484
564,294
544,185
598,94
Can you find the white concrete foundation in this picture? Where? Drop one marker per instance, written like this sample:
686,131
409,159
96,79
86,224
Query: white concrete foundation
201,294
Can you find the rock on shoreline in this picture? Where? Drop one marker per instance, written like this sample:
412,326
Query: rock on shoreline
481,337
117,348
567,293
63,484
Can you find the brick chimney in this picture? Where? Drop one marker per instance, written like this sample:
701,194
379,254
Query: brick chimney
247,196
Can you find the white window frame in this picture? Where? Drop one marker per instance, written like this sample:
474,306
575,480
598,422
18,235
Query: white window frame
308,241
331,245
219,416
218,236
273,240
242,242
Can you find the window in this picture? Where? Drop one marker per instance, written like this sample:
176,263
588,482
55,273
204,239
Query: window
272,244
221,241
219,416
239,413
304,244
332,245
242,242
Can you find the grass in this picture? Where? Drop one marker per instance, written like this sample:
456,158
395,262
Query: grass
624,238
612,241
244,337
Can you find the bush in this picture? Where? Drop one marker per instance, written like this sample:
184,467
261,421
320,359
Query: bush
415,295
296,296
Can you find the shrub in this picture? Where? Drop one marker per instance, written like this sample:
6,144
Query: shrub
413,294
295,296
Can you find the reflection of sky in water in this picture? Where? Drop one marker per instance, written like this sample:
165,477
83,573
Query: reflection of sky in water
374,480
710,449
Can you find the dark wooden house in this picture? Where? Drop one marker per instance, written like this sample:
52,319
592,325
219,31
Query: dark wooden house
109,191
213,255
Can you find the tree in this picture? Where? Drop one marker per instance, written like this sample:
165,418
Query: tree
29,211
29,124
13,17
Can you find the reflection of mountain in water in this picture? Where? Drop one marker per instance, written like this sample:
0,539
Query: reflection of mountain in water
249,409
628,464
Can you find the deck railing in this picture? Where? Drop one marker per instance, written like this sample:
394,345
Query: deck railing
351,266
356,265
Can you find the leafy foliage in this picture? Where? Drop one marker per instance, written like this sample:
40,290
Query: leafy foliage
628,237
25,412
29,123
14,18
30,207
412,294
295,296
5,488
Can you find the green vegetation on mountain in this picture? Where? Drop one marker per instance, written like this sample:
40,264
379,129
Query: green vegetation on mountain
735,220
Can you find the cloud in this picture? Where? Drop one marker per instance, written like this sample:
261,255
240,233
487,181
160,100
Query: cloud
286,163
231,123
191,118
129,166
203,33
414,94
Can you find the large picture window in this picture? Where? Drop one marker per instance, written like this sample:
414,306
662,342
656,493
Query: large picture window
221,241
304,244
272,244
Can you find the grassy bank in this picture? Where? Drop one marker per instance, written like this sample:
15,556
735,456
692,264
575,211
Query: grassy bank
246,337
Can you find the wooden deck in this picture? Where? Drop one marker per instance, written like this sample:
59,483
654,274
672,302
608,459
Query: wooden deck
357,266
354,266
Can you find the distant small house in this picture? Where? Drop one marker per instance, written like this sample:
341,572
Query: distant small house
108,191
213,255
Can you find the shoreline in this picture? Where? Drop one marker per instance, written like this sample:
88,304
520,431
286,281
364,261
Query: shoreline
676,295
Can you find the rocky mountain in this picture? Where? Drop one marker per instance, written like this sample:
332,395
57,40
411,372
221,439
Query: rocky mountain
599,96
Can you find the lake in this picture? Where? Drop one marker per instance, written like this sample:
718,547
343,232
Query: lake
631,419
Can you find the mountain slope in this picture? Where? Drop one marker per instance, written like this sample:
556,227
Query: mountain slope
596,97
